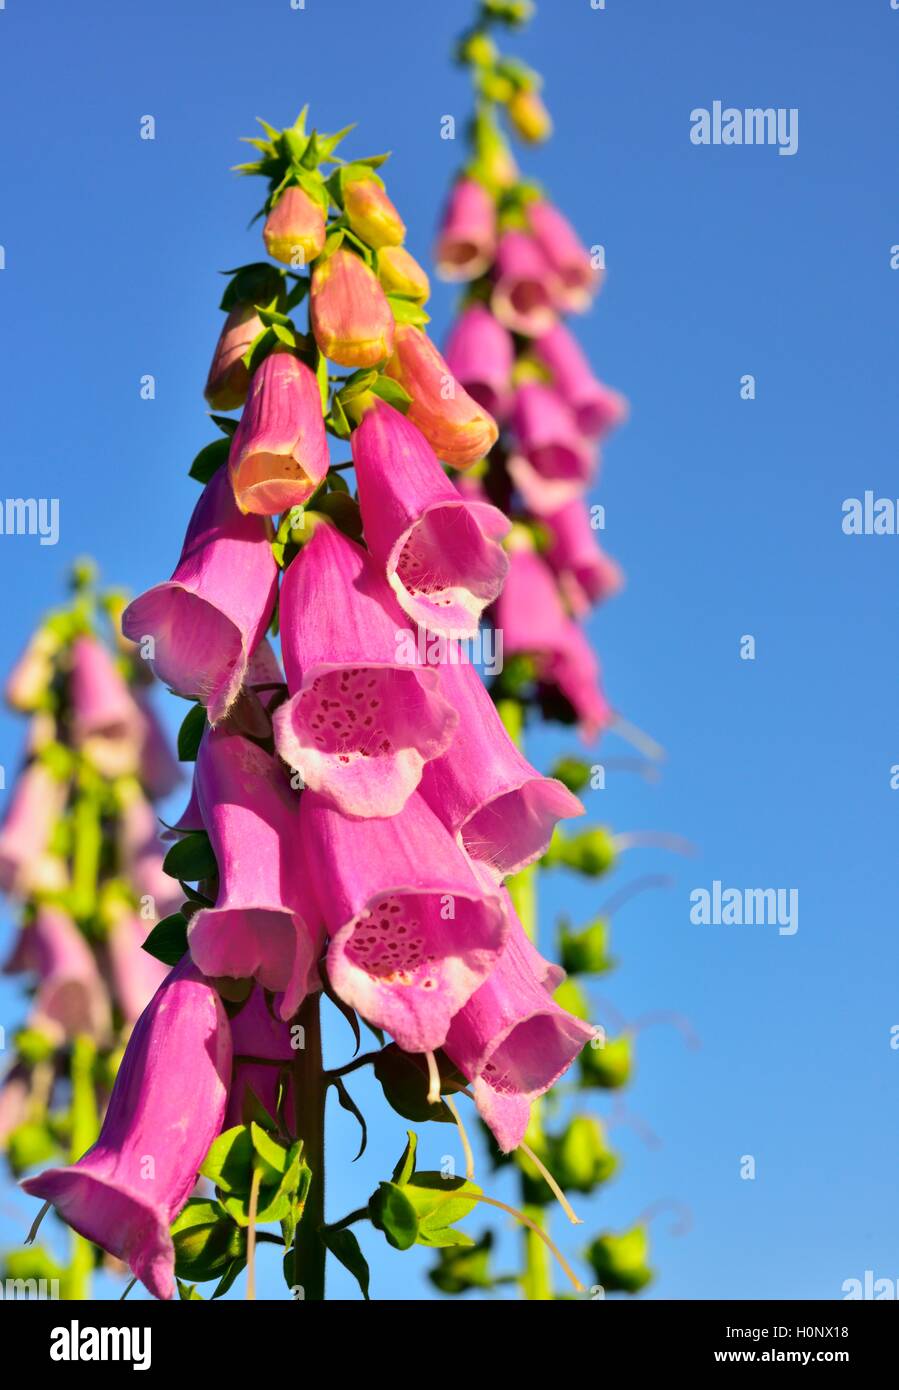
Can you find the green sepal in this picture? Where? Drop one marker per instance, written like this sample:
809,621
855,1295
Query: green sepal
206,1242
437,1211
386,389
390,1211
405,1166
408,311
229,1162
337,420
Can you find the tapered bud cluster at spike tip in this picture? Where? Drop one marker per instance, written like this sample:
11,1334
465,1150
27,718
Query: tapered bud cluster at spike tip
355,817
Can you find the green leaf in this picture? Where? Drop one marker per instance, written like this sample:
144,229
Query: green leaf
168,939
390,391
407,311
391,1211
190,733
225,423
406,1165
209,460
344,1246
347,1103
191,858
252,284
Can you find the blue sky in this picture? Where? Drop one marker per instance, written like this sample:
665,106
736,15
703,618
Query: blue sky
726,514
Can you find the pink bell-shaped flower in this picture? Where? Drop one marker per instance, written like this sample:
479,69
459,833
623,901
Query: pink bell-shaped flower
458,429
207,620
512,1040
586,574
597,409
577,279
500,810
166,1107
71,998
37,802
480,354
440,553
264,924
467,240
363,718
279,453
524,286
413,930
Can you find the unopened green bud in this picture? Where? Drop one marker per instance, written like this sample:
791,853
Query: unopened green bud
28,1146
608,1064
586,952
620,1262
581,1158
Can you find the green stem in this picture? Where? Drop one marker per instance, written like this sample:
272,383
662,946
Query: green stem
536,1279
310,1087
84,1131
86,855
